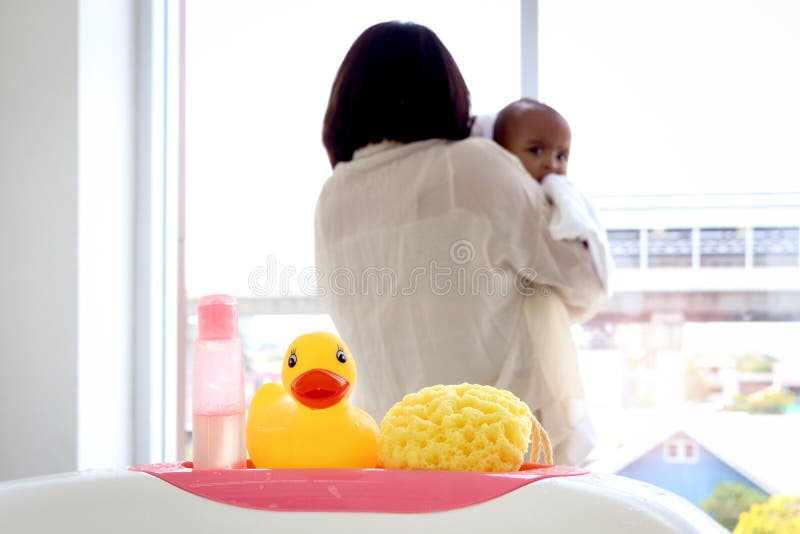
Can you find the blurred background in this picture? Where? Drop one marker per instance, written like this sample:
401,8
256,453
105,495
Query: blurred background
153,152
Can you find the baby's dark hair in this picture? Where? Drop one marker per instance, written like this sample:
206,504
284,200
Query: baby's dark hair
501,122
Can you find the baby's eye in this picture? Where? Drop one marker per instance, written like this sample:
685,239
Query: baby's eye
563,157
535,150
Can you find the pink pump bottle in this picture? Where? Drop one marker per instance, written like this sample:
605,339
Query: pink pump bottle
218,407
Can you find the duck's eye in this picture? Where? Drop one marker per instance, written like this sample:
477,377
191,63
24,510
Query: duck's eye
292,361
340,355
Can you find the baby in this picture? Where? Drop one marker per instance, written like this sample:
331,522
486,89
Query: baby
540,138
537,134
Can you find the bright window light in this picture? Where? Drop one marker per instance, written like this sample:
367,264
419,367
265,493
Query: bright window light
258,77
675,97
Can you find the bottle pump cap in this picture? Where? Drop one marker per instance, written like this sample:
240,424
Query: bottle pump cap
217,317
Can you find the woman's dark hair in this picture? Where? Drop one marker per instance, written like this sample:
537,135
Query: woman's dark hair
397,82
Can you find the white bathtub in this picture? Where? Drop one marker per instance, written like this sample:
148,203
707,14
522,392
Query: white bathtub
124,501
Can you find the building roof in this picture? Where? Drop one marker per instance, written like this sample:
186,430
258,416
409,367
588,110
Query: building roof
763,448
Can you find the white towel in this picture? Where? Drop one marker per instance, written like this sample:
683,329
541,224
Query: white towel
575,218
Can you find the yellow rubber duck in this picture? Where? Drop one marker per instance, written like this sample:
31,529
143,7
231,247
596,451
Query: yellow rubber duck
308,421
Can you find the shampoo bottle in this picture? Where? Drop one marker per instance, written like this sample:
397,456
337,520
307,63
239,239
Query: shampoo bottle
218,407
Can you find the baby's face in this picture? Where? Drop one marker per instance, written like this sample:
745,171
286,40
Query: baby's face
541,140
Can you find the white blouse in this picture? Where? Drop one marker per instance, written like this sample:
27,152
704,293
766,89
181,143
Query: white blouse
438,267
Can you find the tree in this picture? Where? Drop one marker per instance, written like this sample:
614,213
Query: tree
729,500
762,402
755,363
779,515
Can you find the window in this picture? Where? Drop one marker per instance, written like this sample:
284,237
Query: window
672,450
667,138
776,247
625,247
722,247
669,248
672,139
680,450
258,77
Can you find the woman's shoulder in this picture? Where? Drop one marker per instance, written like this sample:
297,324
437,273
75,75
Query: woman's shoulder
480,161
480,147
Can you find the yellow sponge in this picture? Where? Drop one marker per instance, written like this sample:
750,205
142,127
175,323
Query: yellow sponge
462,427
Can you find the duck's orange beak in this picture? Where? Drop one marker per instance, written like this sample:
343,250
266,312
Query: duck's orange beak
319,388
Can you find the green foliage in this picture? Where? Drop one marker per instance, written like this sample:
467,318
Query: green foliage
739,403
755,363
779,515
762,402
729,500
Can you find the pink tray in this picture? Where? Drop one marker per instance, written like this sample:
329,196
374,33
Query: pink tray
351,490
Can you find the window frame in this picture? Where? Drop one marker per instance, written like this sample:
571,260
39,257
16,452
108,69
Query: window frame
158,286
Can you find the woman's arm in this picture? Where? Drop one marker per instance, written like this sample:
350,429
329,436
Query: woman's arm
493,184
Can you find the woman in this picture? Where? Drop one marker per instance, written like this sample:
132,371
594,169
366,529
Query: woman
434,247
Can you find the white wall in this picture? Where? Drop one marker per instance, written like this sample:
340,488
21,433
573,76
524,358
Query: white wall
38,236
67,165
